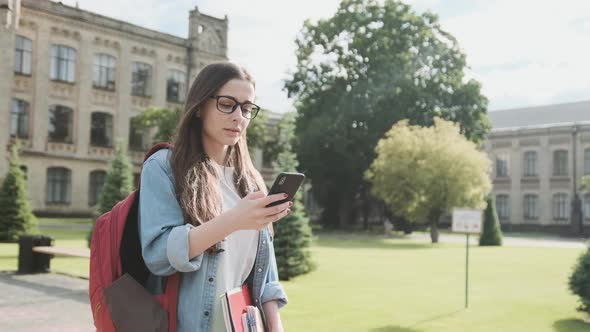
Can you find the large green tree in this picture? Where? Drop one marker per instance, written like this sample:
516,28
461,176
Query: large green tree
422,173
293,233
16,215
370,65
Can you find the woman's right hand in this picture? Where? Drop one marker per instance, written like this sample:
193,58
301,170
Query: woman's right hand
251,211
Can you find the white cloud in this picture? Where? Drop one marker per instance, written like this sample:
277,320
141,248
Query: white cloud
529,52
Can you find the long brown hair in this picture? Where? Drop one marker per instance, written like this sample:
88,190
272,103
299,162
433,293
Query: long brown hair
196,179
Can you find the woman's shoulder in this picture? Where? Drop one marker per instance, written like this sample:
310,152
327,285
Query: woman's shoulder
160,158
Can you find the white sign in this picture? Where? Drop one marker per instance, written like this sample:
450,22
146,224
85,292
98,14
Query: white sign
466,221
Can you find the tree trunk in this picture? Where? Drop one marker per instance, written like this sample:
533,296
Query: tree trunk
366,209
344,212
434,216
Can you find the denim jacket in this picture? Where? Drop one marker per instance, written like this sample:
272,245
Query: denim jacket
165,248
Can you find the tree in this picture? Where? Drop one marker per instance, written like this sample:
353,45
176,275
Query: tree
421,173
579,281
492,234
118,182
256,133
292,234
585,183
166,120
16,215
370,65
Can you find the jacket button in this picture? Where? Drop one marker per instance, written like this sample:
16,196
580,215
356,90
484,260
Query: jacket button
263,241
259,270
206,313
211,279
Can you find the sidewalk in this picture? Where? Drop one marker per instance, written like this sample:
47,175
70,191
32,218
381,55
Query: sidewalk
513,240
44,302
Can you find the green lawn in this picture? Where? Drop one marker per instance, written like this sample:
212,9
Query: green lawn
63,238
393,285
368,283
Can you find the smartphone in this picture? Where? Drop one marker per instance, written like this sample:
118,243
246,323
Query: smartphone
287,183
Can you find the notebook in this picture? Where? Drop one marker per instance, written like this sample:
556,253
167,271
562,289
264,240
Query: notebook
234,303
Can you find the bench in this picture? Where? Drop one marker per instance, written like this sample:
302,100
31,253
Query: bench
36,251
56,251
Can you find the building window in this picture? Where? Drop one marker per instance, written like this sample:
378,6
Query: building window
137,136
530,163
175,86
58,185
22,55
141,78
587,206
587,161
63,63
19,119
101,132
502,165
502,207
560,163
530,206
96,181
560,207
60,124
104,71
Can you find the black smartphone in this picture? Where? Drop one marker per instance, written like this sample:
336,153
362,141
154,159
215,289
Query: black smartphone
288,183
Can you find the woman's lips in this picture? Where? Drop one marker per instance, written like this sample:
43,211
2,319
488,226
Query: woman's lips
232,132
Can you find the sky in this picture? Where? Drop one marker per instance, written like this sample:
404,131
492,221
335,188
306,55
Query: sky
524,52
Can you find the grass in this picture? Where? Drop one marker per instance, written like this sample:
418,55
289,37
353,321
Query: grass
63,237
369,283
365,283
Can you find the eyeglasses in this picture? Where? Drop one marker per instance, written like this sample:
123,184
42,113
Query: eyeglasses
228,104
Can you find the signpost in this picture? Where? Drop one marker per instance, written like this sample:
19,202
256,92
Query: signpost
466,221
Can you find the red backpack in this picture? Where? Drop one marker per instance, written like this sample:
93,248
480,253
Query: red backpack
115,250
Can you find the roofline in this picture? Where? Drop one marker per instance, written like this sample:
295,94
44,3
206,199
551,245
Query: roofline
540,106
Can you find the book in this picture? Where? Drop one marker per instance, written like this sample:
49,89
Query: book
252,320
234,303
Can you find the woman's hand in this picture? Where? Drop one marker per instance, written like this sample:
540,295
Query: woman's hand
251,211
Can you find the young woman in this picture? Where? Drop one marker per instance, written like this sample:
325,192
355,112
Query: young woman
202,208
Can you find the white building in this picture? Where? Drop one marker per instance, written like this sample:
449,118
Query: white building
540,155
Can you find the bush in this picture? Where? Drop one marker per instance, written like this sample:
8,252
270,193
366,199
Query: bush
491,234
16,215
579,281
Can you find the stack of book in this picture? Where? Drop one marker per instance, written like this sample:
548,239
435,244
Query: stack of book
238,313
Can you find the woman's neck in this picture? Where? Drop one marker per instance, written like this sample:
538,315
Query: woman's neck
215,152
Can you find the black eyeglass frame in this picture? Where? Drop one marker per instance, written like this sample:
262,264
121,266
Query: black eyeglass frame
254,112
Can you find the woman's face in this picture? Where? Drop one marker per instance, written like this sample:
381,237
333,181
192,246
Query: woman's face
220,128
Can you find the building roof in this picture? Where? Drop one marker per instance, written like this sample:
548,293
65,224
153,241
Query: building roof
541,116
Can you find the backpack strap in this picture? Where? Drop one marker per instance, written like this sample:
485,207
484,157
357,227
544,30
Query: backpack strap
157,148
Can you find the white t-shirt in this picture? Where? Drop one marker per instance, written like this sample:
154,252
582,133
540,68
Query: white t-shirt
236,262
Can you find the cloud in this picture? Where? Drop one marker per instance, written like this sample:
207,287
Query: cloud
532,51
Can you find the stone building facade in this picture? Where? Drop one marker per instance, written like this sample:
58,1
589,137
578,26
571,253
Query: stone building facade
540,155
71,82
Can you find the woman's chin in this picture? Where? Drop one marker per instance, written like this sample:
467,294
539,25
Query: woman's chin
230,140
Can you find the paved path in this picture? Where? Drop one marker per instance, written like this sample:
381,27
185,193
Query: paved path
515,240
44,302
